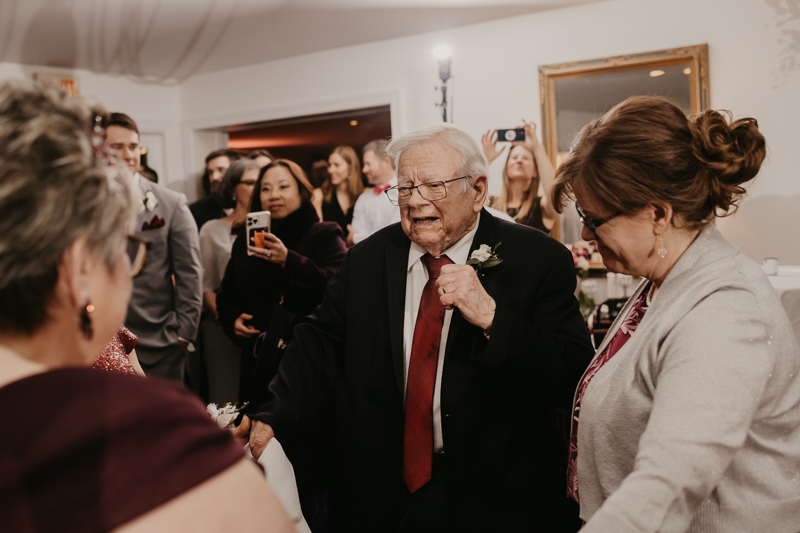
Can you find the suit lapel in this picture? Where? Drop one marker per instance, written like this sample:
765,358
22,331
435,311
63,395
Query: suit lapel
396,278
486,234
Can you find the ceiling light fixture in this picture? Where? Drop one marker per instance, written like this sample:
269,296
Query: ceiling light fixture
656,73
687,70
354,123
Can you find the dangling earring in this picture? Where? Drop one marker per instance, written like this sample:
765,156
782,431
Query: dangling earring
86,317
662,252
234,198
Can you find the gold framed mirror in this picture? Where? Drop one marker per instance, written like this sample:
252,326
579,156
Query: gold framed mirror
573,94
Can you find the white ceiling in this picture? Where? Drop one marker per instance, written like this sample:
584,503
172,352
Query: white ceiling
170,40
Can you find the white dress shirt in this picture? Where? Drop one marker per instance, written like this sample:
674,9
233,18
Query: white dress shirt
416,279
373,212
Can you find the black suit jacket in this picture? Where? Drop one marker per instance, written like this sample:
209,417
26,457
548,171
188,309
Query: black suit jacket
505,461
205,209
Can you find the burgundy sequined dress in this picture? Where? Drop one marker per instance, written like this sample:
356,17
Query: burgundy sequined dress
114,357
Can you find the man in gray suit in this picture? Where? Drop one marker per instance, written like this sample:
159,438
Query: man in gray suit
164,310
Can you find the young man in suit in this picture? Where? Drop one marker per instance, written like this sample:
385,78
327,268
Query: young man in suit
164,314
453,375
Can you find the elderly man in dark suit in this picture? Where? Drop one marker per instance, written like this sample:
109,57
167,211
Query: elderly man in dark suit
164,314
453,375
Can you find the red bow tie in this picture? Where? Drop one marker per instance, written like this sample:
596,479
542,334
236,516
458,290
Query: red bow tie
380,188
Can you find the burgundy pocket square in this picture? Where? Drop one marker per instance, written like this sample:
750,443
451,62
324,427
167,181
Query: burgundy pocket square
155,223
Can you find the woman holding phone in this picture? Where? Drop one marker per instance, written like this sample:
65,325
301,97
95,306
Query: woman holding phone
527,173
299,256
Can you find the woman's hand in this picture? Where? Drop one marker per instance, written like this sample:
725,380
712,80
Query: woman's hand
274,250
243,330
489,142
531,141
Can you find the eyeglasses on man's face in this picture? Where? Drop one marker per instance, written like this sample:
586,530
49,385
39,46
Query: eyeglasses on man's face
137,252
592,223
432,191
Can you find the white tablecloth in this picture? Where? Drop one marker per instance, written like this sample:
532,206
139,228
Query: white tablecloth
787,285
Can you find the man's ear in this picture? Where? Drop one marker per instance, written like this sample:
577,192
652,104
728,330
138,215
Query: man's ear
481,187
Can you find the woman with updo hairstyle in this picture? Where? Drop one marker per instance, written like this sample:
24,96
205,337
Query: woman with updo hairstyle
688,418
86,450
527,170
337,196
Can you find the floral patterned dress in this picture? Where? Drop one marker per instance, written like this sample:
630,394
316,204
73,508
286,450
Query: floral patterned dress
626,329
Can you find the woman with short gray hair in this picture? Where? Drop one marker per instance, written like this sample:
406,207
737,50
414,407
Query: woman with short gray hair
100,458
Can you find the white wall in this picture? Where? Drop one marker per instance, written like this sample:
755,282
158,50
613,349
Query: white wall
496,83
155,108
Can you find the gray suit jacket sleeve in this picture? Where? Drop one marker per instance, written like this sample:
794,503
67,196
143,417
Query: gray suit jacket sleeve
184,245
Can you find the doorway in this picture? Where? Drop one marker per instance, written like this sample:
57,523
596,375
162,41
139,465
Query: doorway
307,138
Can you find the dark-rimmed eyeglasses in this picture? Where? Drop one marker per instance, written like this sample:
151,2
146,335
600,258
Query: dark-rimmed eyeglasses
433,191
137,252
591,223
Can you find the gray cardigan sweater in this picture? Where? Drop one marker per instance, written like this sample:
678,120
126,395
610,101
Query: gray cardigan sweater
694,425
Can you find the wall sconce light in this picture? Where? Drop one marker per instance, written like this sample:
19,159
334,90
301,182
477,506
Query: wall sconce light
443,53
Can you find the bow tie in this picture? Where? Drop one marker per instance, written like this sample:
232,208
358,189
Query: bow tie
380,188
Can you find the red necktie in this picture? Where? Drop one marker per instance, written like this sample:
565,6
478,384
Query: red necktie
380,188
418,430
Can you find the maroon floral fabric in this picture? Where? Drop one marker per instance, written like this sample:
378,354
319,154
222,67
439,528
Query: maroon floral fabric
626,329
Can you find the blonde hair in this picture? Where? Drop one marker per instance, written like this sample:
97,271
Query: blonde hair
354,184
501,202
55,187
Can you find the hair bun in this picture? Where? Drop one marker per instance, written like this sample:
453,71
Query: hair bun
730,152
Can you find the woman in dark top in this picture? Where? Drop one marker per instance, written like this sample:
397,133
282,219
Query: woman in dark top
300,256
334,201
527,173
89,451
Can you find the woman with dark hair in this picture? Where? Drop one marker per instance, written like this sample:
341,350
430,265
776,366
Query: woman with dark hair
337,196
688,418
221,355
300,255
108,451
527,170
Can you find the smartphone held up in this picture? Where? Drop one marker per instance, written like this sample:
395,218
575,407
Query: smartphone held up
258,225
511,135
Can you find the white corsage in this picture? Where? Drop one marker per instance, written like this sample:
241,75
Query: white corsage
149,202
224,416
484,257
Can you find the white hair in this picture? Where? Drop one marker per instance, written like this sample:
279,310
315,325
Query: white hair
472,164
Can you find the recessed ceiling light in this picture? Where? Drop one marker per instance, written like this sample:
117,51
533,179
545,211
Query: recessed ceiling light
687,70
656,73
354,123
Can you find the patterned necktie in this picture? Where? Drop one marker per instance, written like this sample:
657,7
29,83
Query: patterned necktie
418,429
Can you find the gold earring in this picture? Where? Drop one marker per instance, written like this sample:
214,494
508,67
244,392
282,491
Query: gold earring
662,252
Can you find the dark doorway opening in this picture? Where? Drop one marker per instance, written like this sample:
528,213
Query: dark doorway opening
302,139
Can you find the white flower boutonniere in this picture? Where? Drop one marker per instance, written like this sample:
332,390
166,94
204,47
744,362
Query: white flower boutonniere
484,257
224,416
149,201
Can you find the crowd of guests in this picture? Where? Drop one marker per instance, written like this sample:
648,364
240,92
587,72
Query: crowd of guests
413,369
